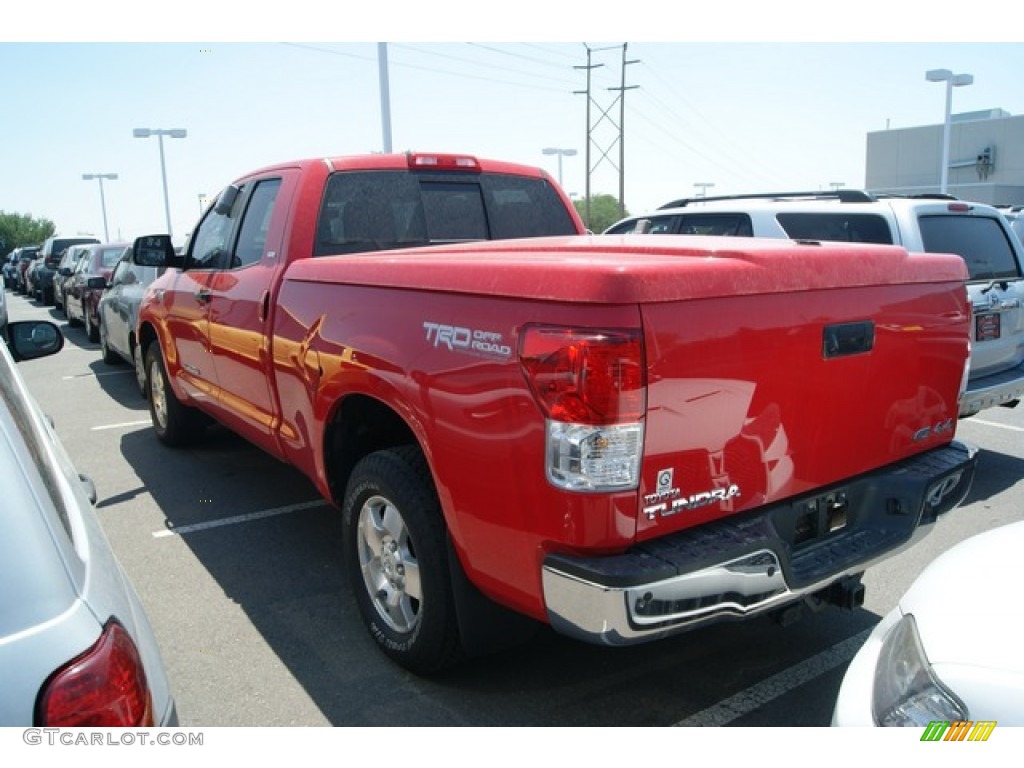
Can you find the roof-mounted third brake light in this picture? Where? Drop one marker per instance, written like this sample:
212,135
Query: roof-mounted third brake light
445,162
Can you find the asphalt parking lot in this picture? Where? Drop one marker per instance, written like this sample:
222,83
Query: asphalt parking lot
237,561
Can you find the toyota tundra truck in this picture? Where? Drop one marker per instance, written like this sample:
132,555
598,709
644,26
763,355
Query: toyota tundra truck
621,437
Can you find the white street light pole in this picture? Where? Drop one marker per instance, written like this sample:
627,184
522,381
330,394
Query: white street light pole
951,81
103,202
561,153
174,133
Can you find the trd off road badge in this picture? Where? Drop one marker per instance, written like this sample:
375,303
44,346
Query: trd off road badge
669,500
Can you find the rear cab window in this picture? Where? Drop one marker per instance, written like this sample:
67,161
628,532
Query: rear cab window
383,210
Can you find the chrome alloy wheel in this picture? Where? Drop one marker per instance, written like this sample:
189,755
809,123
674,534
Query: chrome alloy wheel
387,560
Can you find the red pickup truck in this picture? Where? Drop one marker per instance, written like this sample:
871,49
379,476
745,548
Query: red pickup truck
619,436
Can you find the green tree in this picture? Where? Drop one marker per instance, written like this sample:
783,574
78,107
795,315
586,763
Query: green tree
604,211
18,229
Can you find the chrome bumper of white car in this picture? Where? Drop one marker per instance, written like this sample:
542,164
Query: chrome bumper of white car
1004,388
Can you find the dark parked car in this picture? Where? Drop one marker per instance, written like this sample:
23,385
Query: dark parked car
10,264
65,268
119,310
51,252
32,276
84,288
76,648
26,255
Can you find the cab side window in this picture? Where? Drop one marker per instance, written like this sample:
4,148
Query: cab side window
211,245
224,242
252,238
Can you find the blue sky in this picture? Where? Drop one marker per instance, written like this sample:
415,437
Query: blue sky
766,114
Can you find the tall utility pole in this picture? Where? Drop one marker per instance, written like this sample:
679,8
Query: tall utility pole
622,130
586,191
605,114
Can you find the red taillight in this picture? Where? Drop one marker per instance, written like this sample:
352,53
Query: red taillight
585,376
104,687
448,162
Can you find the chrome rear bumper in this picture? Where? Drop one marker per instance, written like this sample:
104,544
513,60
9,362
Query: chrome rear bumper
756,562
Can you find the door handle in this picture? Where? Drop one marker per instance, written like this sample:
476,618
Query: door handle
203,296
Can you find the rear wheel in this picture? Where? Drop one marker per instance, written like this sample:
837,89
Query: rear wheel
397,560
175,424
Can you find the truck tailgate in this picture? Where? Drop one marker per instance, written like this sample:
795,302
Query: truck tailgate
757,398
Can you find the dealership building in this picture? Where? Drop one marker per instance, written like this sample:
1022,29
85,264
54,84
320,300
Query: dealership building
986,158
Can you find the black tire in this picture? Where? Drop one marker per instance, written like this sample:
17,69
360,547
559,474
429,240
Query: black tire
110,357
397,560
175,424
140,369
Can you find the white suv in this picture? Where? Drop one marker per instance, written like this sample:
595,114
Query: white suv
937,224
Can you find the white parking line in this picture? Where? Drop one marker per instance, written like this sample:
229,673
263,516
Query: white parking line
745,702
996,424
92,375
122,425
186,529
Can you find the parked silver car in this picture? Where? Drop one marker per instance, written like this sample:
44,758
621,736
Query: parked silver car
76,648
118,311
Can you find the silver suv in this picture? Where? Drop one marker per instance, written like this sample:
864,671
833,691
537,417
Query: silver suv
936,224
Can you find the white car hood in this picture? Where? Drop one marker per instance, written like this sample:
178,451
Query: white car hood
966,604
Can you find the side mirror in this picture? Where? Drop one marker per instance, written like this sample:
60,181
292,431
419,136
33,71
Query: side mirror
29,339
226,200
96,283
155,251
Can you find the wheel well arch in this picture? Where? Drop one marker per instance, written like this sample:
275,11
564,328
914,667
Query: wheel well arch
146,335
359,426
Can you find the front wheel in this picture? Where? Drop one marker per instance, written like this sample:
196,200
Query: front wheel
110,357
140,369
174,423
397,561
91,331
